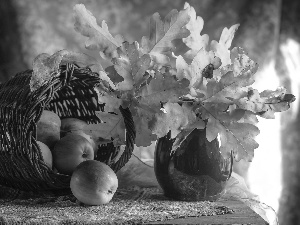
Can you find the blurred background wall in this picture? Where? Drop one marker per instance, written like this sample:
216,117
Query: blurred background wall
269,32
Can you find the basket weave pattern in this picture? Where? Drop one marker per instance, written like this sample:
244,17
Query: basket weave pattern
69,94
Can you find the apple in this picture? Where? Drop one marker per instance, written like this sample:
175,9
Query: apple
46,153
93,183
74,125
71,125
48,128
70,151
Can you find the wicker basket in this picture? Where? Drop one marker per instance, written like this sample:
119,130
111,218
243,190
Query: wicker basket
69,94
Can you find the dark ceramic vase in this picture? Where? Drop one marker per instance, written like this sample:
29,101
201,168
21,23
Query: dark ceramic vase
198,174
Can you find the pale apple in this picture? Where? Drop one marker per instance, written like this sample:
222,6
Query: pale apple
46,154
70,151
93,183
48,128
74,125
71,125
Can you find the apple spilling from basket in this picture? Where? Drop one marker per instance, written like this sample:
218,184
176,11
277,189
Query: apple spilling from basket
67,149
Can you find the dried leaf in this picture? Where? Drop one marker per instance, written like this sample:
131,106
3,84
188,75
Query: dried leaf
228,88
130,65
266,103
106,78
221,48
181,136
162,33
99,38
111,128
163,89
236,134
209,87
81,59
195,41
142,118
197,69
241,62
45,66
175,118
240,139
112,103
113,75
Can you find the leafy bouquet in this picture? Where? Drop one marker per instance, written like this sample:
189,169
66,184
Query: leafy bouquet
208,86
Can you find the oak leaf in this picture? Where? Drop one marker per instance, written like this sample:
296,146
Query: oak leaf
163,89
111,128
195,41
266,103
197,69
162,33
130,65
221,48
99,37
175,118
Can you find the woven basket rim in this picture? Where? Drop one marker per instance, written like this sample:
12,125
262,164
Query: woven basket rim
47,91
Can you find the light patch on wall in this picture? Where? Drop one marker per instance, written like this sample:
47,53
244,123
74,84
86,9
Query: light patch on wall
264,174
291,54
